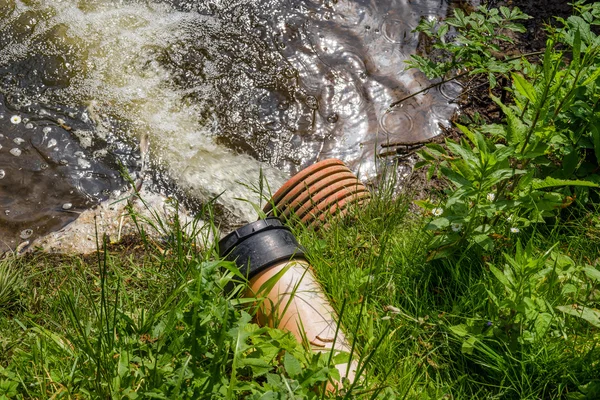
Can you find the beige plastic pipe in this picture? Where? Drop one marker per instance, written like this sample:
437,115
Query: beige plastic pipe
294,301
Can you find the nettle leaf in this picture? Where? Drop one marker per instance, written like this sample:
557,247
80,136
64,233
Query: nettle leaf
503,152
456,178
524,87
516,130
495,130
588,314
549,182
502,174
542,323
465,152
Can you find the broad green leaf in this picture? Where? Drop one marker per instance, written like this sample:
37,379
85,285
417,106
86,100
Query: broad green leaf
420,164
524,87
484,241
503,152
259,366
459,180
501,277
460,330
465,152
438,223
516,129
569,164
589,314
549,182
592,273
468,345
292,365
592,77
436,148
500,175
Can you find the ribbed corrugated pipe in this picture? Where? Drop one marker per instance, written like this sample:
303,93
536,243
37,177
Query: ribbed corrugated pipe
317,193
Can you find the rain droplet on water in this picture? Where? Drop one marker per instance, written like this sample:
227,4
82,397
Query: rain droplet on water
47,130
51,143
67,206
15,152
332,118
2,174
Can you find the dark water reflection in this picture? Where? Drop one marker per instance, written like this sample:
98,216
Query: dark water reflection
221,89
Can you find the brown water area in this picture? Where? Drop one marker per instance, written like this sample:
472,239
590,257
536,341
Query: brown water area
220,90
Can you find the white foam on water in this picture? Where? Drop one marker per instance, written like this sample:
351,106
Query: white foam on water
118,45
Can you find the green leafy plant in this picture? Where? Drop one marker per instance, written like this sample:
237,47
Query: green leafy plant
475,44
506,176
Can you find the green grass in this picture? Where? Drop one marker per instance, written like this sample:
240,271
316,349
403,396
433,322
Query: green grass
135,322
444,335
457,305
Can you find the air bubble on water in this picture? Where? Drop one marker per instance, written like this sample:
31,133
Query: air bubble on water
311,102
63,162
15,119
19,140
29,126
2,174
15,152
52,143
47,130
26,233
332,118
6,212
67,206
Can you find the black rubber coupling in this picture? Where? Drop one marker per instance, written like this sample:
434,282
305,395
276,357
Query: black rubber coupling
259,245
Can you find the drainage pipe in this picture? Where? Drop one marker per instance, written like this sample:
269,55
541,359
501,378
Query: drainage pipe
317,193
268,254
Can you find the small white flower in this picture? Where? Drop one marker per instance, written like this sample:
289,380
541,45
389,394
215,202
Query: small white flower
437,211
509,218
456,227
491,196
514,230
15,119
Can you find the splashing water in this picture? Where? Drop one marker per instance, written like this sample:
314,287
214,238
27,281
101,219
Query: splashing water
220,90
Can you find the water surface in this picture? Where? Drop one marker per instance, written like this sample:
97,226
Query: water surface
220,90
